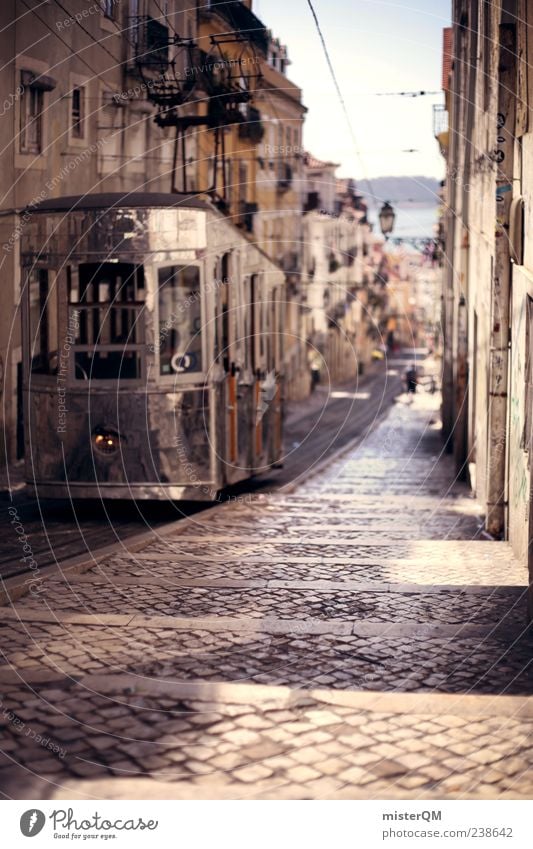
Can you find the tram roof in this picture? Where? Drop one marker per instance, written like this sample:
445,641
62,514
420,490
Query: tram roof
118,200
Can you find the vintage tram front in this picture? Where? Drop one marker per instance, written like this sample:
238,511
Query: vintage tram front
152,349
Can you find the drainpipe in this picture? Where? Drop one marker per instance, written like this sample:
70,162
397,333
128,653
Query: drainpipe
447,326
452,224
460,442
501,285
460,439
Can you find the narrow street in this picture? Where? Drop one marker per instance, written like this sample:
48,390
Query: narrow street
266,404
355,637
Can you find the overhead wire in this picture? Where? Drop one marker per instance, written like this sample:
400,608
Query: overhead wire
406,93
341,99
165,16
87,32
96,74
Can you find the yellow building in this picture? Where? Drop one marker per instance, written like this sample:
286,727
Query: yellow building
254,164
232,45
279,218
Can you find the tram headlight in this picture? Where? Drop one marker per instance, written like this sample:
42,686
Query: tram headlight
106,441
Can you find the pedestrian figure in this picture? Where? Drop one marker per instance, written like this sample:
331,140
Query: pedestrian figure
315,374
411,380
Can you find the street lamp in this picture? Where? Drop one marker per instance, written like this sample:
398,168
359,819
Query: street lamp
387,217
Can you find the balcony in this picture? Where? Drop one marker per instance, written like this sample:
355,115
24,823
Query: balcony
441,127
440,120
247,211
252,129
284,177
350,256
312,202
240,20
150,41
333,263
290,261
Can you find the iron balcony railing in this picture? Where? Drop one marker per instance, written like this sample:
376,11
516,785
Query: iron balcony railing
440,120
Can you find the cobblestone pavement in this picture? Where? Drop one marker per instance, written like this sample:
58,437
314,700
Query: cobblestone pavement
357,637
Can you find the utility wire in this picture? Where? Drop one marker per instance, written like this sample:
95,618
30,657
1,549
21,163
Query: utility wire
86,31
165,16
341,99
96,74
405,93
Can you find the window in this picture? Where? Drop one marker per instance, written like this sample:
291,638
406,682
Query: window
105,317
257,332
109,8
31,117
280,163
78,112
180,321
152,43
242,186
43,322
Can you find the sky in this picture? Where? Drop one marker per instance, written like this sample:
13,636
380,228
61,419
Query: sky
375,46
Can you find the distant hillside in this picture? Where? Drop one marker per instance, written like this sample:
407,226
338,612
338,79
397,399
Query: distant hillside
402,189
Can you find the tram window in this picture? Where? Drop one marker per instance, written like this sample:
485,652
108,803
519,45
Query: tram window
106,300
107,365
259,325
266,334
274,331
43,322
180,319
247,324
225,318
227,347
110,283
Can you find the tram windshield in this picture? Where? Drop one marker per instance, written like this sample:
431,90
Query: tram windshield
180,323
106,301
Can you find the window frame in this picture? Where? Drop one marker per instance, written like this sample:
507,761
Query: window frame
121,383
109,9
81,83
25,118
55,280
176,377
77,127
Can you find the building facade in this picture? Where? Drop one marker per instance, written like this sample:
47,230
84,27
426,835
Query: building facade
148,97
76,119
487,142
342,257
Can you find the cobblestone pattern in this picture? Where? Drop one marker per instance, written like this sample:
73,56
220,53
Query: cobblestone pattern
308,750
424,525
341,551
285,604
385,664
447,568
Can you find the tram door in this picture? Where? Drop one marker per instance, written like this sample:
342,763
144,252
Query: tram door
277,341
237,454
264,380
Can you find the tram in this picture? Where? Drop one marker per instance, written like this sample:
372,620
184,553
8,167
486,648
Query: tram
152,335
